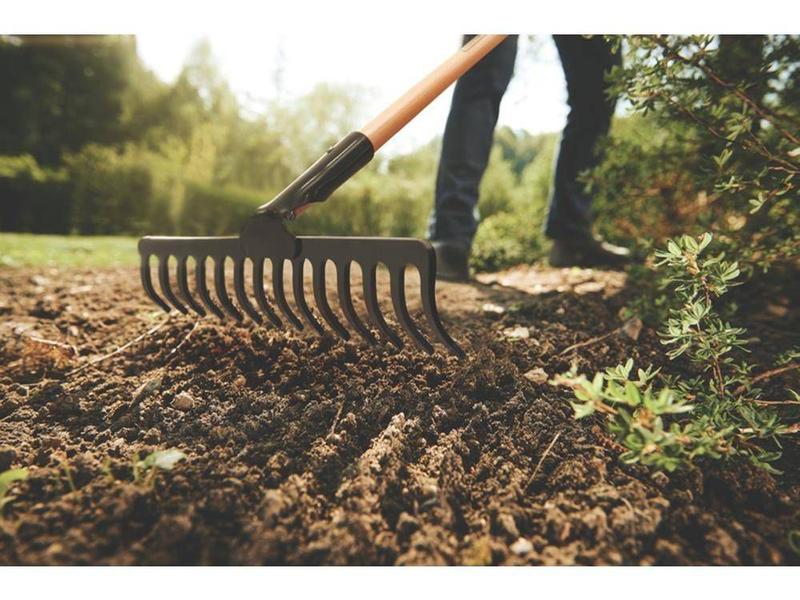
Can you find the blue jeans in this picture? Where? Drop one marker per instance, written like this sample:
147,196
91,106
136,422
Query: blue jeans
470,127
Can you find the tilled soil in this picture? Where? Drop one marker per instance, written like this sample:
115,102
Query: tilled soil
303,450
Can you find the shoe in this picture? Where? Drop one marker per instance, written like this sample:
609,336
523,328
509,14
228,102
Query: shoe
452,260
588,251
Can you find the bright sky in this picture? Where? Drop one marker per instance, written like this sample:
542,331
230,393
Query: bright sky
384,63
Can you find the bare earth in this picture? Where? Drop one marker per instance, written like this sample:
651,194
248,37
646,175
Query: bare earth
305,450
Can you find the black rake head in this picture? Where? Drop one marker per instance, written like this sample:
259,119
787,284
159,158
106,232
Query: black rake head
265,237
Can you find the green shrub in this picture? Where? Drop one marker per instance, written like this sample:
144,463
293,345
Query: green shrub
114,193
506,239
713,146
211,210
33,198
375,203
513,234
667,422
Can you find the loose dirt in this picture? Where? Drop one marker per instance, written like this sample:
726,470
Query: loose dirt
303,450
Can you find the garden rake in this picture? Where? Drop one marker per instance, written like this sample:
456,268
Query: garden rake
264,236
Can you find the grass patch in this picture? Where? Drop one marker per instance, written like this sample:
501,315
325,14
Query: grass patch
31,250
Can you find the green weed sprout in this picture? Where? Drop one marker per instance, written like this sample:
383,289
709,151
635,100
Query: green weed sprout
146,470
7,479
667,423
66,470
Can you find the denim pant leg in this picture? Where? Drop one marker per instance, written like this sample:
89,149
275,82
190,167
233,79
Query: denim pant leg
585,62
467,143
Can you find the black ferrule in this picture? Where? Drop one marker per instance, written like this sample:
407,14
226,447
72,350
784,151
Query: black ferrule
321,179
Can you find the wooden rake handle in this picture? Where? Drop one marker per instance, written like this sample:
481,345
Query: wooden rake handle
383,127
355,150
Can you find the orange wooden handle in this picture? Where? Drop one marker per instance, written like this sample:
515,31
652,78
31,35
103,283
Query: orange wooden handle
383,127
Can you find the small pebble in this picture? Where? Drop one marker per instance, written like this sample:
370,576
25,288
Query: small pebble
183,402
517,333
521,547
493,309
632,328
537,375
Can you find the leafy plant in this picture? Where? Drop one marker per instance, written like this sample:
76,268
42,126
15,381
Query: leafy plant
665,422
719,146
7,479
146,470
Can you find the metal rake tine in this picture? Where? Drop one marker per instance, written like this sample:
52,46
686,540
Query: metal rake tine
280,295
428,296
346,302
321,299
397,283
298,265
261,297
202,287
183,286
219,286
373,309
241,294
147,284
163,280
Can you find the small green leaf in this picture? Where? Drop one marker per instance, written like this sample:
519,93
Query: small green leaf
9,477
582,410
163,459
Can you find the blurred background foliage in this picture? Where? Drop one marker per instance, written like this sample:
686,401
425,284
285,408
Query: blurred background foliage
91,142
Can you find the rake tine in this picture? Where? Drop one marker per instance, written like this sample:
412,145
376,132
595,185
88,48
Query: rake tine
219,286
374,311
280,295
261,297
183,286
147,284
241,294
397,282
346,302
202,288
428,296
163,280
298,266
321,299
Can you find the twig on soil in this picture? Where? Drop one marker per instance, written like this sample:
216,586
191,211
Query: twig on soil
122,348
594,340
767,375
336,418
775,402
184,340
541,460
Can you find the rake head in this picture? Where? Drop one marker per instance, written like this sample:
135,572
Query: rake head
265,237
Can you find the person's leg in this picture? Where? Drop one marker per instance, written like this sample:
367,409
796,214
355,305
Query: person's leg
466,146
585,62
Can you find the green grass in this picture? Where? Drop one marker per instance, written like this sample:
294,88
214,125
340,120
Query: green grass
30,250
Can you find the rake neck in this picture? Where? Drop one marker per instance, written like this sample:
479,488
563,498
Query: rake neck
321,179
346,158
